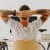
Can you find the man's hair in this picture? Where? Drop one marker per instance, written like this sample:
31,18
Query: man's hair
24,7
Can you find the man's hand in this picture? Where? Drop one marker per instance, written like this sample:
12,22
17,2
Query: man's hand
24,14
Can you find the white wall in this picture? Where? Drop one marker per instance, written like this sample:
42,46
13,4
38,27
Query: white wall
15,4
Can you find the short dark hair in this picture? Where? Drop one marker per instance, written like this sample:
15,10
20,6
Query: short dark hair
24,7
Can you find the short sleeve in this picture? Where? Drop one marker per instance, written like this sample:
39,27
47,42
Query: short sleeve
37,23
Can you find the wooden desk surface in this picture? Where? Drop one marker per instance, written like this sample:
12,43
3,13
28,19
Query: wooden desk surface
26,45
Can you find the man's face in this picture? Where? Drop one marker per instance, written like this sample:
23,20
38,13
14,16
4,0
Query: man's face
24,19
4,16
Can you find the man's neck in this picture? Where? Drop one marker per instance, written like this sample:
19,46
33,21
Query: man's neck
25,24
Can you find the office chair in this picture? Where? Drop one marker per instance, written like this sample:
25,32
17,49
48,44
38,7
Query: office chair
3,46
48,46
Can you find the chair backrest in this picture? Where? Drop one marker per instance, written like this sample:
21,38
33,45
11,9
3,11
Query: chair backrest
3,45
48,48
41,45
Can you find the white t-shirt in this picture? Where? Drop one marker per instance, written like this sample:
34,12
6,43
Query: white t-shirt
18,31
29,32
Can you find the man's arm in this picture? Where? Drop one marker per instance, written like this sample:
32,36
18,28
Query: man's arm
18,13
10,12
44,18
43,12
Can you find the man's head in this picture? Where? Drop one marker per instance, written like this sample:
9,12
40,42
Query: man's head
24,8
4,15
24,19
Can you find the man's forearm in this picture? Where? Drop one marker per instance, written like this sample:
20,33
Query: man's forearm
44,12
39,11
10,12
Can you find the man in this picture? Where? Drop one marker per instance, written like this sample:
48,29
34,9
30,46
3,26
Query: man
25,31
26,37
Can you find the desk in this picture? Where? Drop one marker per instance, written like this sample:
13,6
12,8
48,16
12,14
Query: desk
26,45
